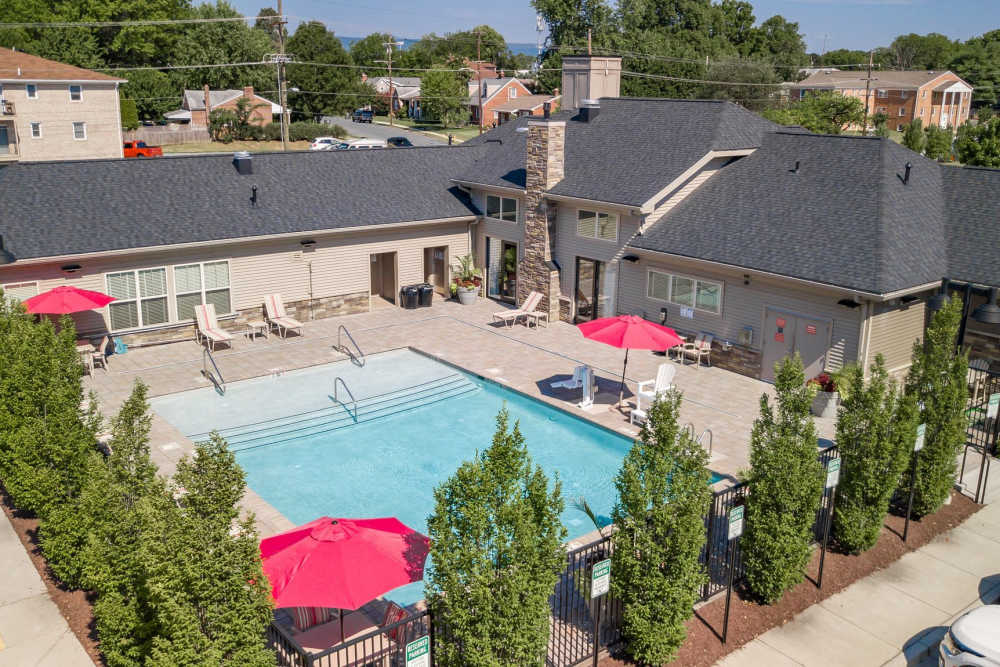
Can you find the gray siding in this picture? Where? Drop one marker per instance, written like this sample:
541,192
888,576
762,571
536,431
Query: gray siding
569,245
742,305
894,329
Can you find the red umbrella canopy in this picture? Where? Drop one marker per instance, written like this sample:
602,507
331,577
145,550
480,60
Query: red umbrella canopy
66,299
630,332
342,563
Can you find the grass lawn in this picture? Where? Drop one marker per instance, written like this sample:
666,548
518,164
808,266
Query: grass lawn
219,147
461,133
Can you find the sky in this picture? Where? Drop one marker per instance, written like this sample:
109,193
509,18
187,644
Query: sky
852,24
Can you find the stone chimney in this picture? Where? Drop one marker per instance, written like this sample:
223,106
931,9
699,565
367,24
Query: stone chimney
589,78
248,92
545,164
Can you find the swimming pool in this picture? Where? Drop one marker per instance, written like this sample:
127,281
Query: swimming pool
419,419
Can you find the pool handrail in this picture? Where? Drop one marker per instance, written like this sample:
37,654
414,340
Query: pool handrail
220,383
339,381
360,357
710,438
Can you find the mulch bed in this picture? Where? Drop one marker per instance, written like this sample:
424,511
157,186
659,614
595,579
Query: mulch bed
747,619
75,606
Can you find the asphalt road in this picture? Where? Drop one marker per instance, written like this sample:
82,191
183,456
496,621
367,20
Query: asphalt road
377,131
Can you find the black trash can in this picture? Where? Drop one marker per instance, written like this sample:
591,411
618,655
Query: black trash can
409,296
426,294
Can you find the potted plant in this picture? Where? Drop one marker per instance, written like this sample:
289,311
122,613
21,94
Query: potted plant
468,280
826,400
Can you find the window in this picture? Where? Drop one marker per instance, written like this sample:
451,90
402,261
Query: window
501,208
802,93
883,93
899,128
140,298
36,130
923,93
703,295
883,109
75,93
603,226
195,284
904,94
922,111
79,130
20,291
902,111
31,90
513,93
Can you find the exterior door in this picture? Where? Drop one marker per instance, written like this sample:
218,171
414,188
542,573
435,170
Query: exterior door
501,269
812,340
4,141
588,292
778,343
785,334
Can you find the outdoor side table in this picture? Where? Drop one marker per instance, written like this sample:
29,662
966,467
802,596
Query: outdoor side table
256,328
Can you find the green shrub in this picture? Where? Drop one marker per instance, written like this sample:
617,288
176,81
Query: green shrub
785,487
129,114
876,427
663,497
272,132
937,380
496,549
307,131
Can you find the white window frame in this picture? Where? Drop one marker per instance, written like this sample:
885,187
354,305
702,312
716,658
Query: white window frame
79,88
139,298
694,293
83,124
513,93
502,199
31,129
597,226
9,286
882,92
30,88
202,289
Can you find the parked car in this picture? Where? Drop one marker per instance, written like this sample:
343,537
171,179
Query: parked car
324,143
399,142
361,144
140,149
362,116
973,640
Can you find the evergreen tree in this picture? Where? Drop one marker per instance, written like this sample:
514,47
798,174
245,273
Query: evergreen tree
937,380
913,136
208,597
663,497
876,427
785,486
938,143
496,549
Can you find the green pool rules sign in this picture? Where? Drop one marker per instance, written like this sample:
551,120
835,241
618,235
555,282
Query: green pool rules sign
993,406
735,522
418,652
600,578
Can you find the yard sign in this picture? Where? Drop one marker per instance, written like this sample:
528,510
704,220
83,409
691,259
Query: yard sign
418,652
600,578
918,444
735,522
832,473
993,406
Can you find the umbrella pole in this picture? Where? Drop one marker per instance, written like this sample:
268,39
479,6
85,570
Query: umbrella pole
341,612
621,387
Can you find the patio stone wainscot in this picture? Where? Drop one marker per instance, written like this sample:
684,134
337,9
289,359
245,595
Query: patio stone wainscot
738,359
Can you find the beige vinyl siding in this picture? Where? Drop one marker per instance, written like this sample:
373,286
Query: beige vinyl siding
681,193
340,265
569,245
501,229
742,305
894,329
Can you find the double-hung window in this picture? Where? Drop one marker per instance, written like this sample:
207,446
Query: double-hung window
195,284
704,295
140,298
31,90
501,208
75,93
79,130
597,225
36,130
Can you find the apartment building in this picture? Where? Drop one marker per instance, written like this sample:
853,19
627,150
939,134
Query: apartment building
53,111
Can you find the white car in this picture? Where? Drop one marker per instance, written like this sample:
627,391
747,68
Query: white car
324,143
361,144
973,640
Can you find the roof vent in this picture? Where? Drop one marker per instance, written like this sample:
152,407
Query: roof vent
243,163
906,175
795,169
589,110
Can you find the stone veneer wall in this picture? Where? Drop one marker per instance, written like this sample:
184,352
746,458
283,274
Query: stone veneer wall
303,311
565,309
544,165
737,359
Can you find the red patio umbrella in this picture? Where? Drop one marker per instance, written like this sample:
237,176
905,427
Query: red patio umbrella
66,299
342,563
632,333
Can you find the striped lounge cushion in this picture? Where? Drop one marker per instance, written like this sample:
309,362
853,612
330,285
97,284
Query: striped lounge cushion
393,614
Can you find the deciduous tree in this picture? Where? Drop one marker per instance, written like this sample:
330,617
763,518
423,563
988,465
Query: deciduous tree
979,144
938,143
913,136
444,97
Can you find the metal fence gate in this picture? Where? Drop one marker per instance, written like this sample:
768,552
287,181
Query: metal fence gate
983,430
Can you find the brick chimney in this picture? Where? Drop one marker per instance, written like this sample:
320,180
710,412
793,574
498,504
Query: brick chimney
545,164
248,92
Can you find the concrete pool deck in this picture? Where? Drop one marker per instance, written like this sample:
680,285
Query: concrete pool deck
523,359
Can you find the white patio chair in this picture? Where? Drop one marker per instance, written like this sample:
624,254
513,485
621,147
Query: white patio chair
700,349
650,389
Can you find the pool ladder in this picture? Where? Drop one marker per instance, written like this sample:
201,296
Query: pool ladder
689,428
216,378
359,358
337,383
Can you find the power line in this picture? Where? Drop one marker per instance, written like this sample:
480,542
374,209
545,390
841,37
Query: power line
114,24
686,80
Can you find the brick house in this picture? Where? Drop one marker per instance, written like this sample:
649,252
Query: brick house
940,98
198,104
53,111
490,94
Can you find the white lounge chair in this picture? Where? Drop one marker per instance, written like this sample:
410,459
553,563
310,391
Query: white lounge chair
650,389
208,328
977,377
575,382
276,316
510,317
700,349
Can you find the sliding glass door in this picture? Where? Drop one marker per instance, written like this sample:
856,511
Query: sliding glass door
589,290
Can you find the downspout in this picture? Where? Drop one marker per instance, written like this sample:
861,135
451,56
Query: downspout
866,336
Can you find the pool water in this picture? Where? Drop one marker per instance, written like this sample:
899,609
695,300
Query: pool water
419,420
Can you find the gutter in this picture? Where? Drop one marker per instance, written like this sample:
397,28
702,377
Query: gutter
484,186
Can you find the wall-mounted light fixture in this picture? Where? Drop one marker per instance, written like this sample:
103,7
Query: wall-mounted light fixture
746,278
989,312
70,268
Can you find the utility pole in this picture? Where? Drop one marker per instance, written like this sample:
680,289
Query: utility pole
388,61
868,88
479,77
282,84
589,53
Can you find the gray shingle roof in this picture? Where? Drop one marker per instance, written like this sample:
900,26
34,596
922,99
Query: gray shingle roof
62,208
844,219
633,149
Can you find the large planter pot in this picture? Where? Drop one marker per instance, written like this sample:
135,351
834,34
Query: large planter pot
825,404
467,295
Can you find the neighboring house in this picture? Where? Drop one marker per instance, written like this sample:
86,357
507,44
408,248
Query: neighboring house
404,91
529,105
53,111
721,222
197,105
936,98
490,94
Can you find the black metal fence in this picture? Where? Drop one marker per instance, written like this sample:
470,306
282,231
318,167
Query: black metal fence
983,431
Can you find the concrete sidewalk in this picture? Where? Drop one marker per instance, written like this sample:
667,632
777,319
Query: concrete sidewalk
895,616
32,631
